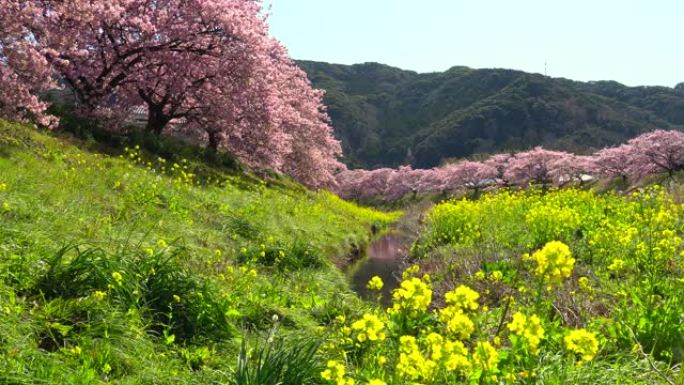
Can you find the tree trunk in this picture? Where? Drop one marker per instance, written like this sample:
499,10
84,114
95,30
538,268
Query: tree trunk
156,120
214,141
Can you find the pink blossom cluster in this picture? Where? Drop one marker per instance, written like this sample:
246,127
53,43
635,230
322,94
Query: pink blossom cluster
209,63
659,151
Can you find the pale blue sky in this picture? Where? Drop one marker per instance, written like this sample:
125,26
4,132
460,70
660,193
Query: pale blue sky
636,42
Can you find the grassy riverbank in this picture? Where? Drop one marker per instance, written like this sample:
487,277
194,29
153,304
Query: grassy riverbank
128,266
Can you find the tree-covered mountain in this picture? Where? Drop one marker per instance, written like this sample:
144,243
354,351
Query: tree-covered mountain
388,116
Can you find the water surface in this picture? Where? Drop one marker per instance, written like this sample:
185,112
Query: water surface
383,257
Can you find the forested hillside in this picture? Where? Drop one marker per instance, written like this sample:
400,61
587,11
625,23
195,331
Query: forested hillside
387,116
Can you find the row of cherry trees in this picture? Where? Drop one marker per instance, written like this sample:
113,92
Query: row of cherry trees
655,152
209,63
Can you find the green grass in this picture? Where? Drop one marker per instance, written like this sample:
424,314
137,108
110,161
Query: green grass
118,265
127,259
625,284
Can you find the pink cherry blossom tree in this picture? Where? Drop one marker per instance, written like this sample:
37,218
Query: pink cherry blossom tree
468,174
572,168
24,72
617,162
536,166
175,56
659,151
403,181
500,163
208,63
363,184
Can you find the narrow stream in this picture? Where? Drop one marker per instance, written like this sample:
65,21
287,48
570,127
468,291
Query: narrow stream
383,258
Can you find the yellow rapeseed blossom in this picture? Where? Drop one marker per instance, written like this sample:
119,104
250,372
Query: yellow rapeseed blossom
434,342
457,322
485,356
554,262
369,328
334,372
529,328
376,382
616,265
76,350
162,244
118,278
412,364
99,295
375,283
584,283
463,298
582,343
496,276
451,354
480,275
410,271
457,360
413,295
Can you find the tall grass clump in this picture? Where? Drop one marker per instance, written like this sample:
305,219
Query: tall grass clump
172,300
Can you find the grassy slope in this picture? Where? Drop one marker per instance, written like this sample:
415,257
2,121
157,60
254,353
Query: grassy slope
200,241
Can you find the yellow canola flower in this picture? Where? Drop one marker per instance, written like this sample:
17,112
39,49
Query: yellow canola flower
463,298
480,275
554,262
410,271
334,372
456,356
457,322
375,283
118,278
413,294
583,283
485,356
616,265
528,328
369,328
582,343
435,342
412,364
99,295
496,276
451,354
376,382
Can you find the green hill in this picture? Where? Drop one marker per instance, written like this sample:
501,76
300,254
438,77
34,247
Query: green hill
125,266
386,116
